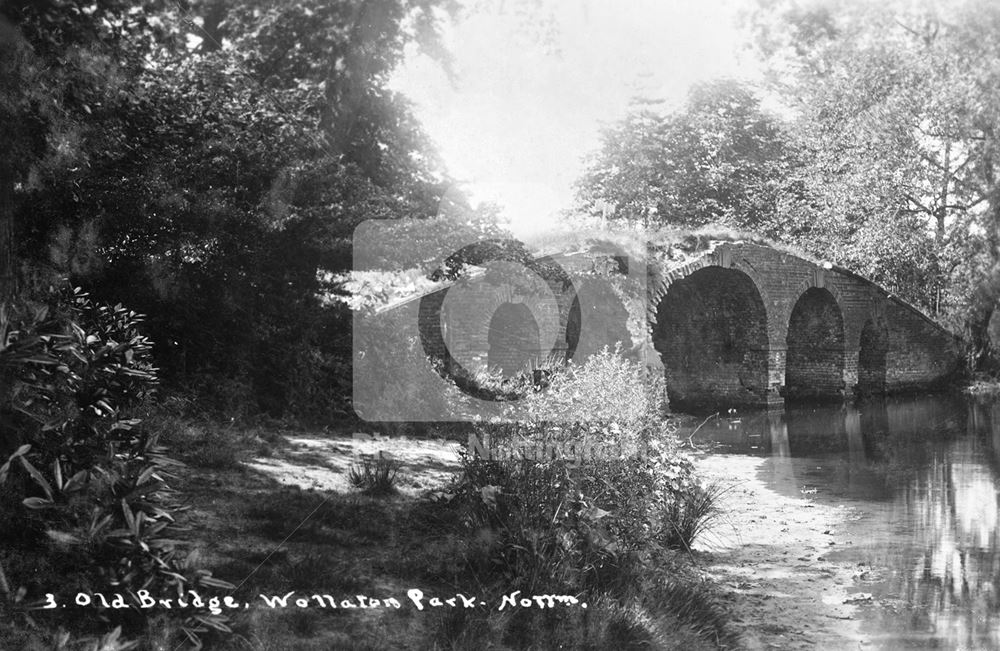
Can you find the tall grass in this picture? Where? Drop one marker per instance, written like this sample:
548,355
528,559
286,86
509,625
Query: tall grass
375,476
691,514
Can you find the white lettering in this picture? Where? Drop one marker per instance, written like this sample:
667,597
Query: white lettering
509,600
273,602
416,595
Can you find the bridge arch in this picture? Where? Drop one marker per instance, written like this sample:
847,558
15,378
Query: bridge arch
750,351
814,362
711,331
513,339
873,349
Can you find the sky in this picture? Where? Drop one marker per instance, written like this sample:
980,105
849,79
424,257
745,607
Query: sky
522,110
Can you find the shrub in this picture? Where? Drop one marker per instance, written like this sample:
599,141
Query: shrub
91,483
607,391
596,523
580,522
692,513
391,372
375,476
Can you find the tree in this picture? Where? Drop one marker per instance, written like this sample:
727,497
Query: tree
719,159
209,182
54,57
899,103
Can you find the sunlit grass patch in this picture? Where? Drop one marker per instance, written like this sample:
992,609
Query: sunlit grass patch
215,446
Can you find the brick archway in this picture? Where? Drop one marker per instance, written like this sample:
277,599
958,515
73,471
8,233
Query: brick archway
814,363
711,333
513,339
746,349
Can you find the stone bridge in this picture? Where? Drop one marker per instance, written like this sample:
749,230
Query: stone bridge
734,324
750,324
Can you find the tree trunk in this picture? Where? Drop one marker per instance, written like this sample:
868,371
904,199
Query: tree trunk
8,268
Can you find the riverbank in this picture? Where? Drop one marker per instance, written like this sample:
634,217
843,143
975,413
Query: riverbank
278,514
768,554
274,512
771,553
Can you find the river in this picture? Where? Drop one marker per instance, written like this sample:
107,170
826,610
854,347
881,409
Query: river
903,499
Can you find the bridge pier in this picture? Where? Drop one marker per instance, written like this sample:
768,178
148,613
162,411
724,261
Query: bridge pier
776,358
851,371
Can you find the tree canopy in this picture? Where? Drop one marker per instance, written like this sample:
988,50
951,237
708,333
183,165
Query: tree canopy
201,161
897,106
719,159
879,149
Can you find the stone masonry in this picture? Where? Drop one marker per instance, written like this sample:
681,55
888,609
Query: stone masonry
789,329
740,324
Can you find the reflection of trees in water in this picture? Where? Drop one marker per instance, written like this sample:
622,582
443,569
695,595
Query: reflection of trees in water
930,467
947,564
902,436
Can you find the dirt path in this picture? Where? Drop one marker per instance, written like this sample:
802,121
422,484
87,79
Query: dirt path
770,552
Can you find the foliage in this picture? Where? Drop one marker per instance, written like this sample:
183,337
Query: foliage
880,153
376,477
204,443
92,484
694,512
719,159
543,513
60,84
895,105
578,503
392,372
425,243
607,390
208,185
369,290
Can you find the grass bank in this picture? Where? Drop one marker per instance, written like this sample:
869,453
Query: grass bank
282,539
273,513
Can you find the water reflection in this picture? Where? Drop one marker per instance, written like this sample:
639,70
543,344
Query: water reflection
926,473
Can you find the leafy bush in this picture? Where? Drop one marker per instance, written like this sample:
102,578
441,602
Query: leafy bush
89,486
608,390
580,520
392,371
585,496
